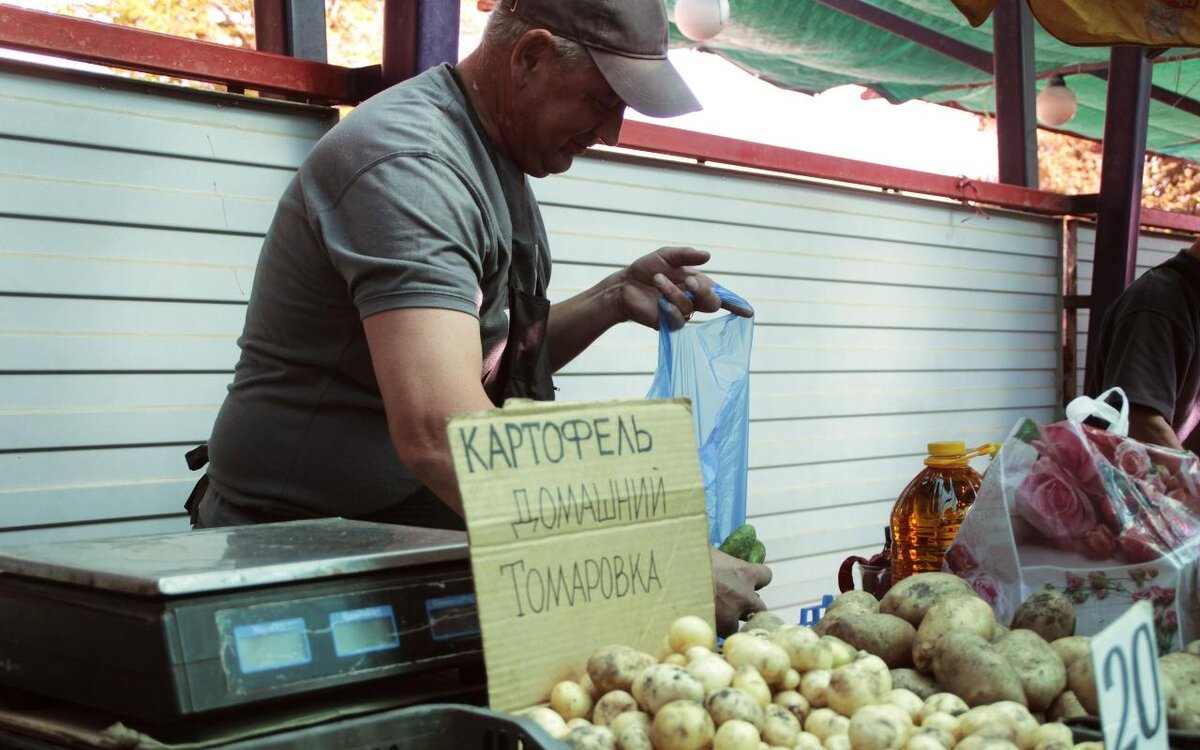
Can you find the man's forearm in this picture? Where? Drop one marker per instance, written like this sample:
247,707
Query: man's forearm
1149,426
575,323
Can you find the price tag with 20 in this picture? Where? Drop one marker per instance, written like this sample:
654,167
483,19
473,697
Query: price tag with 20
1125,662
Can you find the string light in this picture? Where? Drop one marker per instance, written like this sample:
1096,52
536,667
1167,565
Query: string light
701,20
1056,103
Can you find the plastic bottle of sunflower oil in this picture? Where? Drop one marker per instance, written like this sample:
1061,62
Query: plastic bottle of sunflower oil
928,513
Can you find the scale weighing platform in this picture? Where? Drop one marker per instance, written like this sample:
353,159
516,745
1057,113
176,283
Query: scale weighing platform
170,626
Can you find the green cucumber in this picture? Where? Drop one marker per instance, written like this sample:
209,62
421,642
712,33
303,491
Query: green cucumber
740,543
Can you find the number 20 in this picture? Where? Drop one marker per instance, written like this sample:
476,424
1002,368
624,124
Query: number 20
1141,643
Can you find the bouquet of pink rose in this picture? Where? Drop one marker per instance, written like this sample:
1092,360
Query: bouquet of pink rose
1106,496
1105,519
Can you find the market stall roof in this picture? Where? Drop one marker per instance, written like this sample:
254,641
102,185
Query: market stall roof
814,45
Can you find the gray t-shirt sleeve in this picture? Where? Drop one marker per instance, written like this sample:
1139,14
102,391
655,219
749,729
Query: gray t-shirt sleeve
1142,360
407,232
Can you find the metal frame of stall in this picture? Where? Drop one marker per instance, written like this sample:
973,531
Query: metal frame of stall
290,62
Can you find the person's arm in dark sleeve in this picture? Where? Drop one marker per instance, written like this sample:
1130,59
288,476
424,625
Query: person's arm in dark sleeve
1141,360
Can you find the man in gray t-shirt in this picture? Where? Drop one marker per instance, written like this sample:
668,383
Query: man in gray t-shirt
1149,345
403,278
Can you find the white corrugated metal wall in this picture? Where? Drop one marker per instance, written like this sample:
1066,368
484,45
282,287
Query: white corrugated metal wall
130,221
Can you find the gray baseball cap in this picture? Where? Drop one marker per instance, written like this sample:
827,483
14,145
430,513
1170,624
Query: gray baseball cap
627,39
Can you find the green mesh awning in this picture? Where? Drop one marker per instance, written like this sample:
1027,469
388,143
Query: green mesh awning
807,46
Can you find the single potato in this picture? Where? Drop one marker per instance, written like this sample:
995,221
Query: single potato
887,636
1039,668
912,597
732,703
1048,613
611,705
682,725
570,700
780,726
690,631
969,667
1082,682
660,684
736,735
853,601
957,615
1183,710
880,727
858,684
615,667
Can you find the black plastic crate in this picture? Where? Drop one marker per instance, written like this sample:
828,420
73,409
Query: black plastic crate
431,727
1088,729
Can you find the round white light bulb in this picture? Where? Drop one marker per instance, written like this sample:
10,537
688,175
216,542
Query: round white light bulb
1056,103
701,20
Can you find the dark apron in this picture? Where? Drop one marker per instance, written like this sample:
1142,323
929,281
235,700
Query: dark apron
524,368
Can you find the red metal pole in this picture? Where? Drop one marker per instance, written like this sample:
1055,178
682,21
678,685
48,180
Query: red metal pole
270,26
1016,126
1126,115
399,40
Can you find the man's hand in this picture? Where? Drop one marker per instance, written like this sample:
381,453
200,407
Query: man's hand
734,584
633,293
666,273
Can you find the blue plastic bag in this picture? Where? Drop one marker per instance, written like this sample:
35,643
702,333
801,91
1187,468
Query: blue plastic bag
709,363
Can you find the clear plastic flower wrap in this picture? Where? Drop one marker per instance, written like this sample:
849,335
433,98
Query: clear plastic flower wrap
1105,519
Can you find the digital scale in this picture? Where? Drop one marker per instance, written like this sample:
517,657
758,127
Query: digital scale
171,626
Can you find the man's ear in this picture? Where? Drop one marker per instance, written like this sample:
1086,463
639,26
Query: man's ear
533,54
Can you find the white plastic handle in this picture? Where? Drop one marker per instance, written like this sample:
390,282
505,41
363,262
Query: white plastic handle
1118,420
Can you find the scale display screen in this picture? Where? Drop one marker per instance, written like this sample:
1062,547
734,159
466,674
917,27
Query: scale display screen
362,631
452,617
263,646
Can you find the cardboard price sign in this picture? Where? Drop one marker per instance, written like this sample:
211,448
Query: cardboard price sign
1125,661
587,527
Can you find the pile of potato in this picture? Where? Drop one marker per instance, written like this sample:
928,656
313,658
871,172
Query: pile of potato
926,668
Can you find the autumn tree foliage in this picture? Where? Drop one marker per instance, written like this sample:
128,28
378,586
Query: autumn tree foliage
1067,164
354,26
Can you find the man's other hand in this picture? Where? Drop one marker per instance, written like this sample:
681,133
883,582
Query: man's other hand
734,585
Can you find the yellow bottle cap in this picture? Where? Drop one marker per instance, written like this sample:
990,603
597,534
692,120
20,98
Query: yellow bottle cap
951,453
947,448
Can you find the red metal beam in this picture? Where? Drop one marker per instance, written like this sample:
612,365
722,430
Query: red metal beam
136,49
1159,219
659,139
664,140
